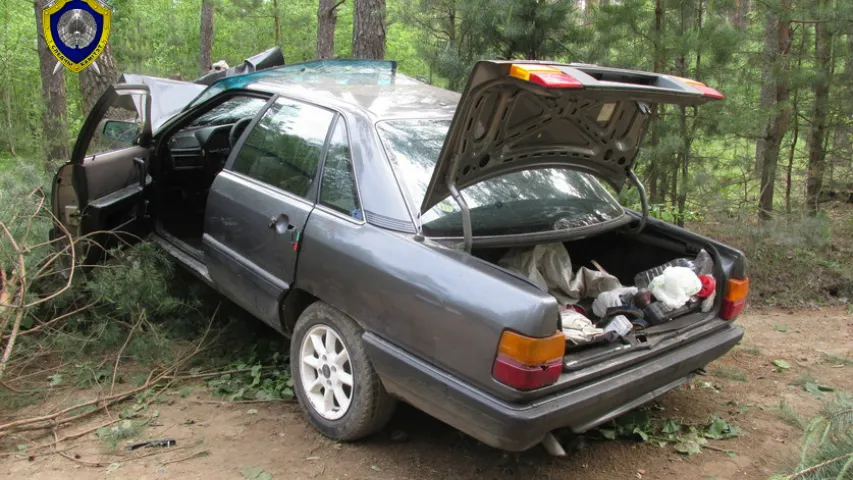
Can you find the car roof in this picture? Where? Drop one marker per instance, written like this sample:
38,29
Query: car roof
372,87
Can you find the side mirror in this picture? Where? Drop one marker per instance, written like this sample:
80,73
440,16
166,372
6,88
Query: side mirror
120,131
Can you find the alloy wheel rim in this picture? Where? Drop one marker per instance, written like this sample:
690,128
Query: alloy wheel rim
326,372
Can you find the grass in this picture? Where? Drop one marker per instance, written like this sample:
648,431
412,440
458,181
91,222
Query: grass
790,416
123,430
846,361
728,373
795,260
751,350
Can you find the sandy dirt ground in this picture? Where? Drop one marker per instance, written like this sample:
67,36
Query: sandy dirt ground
276,439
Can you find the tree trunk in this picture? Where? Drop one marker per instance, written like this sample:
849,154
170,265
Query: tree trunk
327,17
10,137
817,151
93,84
368,29
841,154
276,19
779,66
54,123
766,101
205,48
741,13
795,135
657,45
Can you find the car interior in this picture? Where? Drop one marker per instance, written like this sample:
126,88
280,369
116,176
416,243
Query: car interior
192,156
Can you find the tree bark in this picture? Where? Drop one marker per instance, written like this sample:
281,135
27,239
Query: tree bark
10,136
817,151
657,45
327,17
766,101
205,49
54,116
841,154
368,29
276,20
780,31
93,84
741,12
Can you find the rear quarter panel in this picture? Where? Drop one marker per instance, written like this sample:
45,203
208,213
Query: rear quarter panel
445,307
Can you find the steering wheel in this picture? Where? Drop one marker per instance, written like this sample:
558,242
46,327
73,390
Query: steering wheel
237,130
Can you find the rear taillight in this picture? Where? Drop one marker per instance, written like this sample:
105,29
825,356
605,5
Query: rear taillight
544,75
737,290
527,363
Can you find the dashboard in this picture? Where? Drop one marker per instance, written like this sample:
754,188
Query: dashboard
200,148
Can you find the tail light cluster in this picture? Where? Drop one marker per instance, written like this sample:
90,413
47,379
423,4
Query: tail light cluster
527,363
737,289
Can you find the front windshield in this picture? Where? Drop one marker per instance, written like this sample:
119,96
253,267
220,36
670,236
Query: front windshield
520,202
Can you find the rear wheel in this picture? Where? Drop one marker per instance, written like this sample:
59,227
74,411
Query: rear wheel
334,381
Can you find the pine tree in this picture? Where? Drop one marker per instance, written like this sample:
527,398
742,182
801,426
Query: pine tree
54,124
205,50
368,29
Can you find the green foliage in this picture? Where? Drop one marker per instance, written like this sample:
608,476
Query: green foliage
793,261
686,439
729,373
257,381
255,473
827,450
123,430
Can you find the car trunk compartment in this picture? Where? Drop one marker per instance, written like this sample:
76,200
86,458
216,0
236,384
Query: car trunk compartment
623,254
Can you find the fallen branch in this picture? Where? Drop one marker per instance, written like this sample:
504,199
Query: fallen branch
238,402
201,453
62,454
817,467
53,420
121,350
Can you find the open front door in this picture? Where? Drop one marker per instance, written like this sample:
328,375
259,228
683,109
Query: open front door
99,195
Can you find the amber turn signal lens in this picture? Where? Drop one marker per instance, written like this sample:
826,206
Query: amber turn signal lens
531,350
737,289
544,75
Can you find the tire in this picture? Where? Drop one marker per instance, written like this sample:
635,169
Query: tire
369,408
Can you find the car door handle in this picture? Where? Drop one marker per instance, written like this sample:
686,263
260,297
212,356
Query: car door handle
280,220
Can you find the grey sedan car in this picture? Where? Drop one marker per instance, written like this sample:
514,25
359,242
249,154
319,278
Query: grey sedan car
364,215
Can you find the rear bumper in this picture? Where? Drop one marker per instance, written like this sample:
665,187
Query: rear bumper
519,426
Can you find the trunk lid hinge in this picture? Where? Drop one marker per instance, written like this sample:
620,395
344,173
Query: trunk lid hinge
644,201
467,235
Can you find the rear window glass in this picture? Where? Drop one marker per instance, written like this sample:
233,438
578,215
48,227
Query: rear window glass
519,202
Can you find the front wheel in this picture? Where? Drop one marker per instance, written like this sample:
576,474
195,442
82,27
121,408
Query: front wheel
334,381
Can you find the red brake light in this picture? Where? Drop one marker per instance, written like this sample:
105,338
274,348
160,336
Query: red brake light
524,377
544,75
526,362
709,92
705,90
737,289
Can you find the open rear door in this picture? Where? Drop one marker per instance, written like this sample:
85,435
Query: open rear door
98,197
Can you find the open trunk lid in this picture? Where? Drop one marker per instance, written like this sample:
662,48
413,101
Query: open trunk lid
524,115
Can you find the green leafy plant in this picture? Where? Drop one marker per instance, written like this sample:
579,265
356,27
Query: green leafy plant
685,438
255,381
113,434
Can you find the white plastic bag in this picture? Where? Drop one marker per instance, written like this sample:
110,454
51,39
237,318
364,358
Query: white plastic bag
675,286
610,299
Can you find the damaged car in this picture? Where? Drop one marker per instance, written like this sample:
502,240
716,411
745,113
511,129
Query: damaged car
463,253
